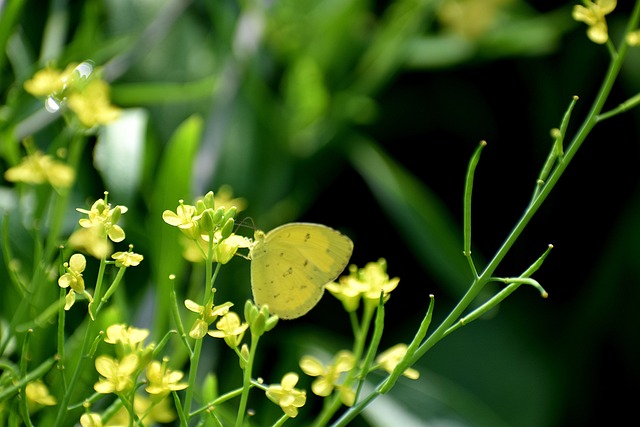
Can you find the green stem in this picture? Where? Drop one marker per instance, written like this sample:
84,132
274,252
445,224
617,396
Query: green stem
195,356
281,420
66,397
23,373
98,290
415,343
391,379
112,288
358,348
218,401
468,190
246,381
578,140
61,353
373,348
37,373
178,320
625,106
479,283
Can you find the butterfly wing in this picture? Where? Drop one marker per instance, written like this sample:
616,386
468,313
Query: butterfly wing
292,263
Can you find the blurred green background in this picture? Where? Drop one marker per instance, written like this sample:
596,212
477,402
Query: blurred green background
363,115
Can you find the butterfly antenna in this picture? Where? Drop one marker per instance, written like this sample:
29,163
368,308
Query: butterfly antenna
246,223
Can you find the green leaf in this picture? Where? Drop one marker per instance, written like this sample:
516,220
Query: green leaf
173,182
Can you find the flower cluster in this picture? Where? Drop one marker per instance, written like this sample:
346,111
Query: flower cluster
99,229
38,396
38,168
163,380
329,375
80,88
470,19
286,395
102,219
207,315
367,283
119,375
209,227
390,358
231,329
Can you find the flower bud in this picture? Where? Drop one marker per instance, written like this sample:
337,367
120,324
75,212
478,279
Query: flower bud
227,228
208,200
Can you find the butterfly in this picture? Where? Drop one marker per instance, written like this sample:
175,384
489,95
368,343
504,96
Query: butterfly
291,264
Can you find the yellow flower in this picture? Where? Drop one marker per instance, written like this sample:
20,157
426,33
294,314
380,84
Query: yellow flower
117,374
90,420
593,14
470,18
208,315
185,218
230,328
131,338
286,396
86,94
73,279
92,104
87,240
329,375
368,283
348,290
127,259
390,358
633,38
38,395
227,248
102,219
39,168
49,81
163,380
160,412
223,249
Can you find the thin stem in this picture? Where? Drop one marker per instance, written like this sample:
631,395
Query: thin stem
468,190
391,379
358,348
589,122
61,353
195,356
98,290
373,346
246,380
479,283
625,106
66,397
178,321
37,373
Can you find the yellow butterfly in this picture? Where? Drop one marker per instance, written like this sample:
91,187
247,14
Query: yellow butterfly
291,264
